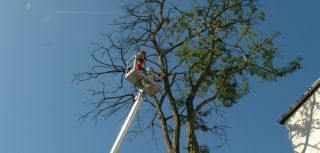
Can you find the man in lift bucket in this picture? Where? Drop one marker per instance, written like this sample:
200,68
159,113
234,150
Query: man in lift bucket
141,57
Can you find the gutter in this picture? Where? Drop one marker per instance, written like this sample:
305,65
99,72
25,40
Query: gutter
299,102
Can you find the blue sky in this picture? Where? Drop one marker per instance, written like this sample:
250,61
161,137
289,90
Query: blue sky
43,42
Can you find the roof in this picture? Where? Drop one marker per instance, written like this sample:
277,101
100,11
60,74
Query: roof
300,101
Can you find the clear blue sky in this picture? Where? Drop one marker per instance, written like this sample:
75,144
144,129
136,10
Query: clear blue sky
44,42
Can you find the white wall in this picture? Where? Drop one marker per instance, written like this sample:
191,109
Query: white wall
304,126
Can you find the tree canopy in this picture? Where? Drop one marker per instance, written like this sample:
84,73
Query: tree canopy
208,51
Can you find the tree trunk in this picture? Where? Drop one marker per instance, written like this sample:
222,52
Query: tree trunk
192,143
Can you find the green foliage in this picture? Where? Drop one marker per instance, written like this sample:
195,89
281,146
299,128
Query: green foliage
226,47
221,43
221,51
204,148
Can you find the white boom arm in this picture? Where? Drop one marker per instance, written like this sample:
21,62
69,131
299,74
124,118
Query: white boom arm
126,124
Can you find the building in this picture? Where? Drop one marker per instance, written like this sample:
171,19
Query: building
303,121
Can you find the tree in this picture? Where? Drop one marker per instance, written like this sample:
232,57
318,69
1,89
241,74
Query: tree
208,50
